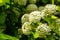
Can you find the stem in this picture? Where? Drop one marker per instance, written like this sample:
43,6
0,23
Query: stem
52,2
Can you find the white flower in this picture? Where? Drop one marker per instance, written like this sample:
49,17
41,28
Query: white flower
42,14
43,30
26,28
25,18
35,16
50,8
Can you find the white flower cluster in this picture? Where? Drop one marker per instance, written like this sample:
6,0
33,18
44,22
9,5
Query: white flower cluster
29,18
25,18
43,30
49,9
35,17
26,28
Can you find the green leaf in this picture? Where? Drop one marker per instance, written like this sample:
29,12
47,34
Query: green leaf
1,2
35,35
53,17
58,8
50,38
47,18
44,1
2,28
2,18
58,0
5,37
6,1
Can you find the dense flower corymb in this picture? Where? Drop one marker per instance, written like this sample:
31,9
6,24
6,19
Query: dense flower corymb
51,8
25,18
35,16
43,30
26,28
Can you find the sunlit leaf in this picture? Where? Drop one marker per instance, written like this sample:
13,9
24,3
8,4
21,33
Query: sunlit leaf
53,17
58,0
7,37
6,1
1,2
35,35
58,8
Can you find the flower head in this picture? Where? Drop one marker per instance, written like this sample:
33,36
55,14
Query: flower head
35,16
25,18
26,28
51,8
43,30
